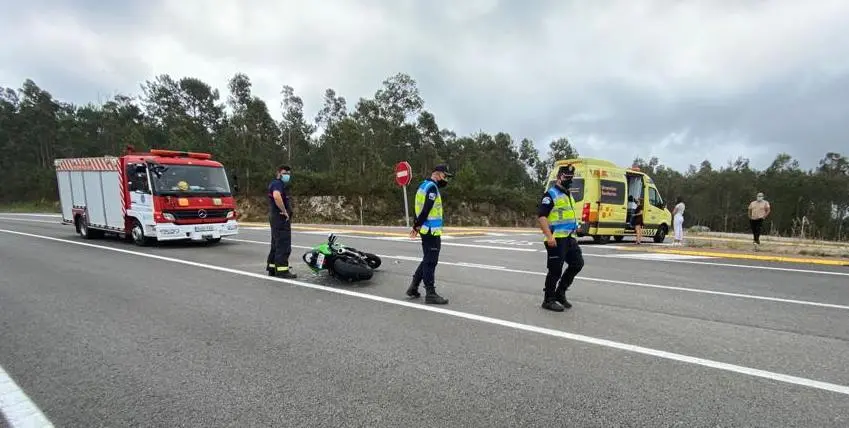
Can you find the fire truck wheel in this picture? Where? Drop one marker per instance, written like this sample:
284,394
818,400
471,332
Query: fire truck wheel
138,234
84,230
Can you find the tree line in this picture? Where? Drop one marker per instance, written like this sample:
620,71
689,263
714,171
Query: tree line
351,150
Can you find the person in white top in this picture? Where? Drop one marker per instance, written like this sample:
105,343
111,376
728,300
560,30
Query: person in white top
759,209
678,221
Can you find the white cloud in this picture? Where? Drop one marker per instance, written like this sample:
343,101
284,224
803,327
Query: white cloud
594,71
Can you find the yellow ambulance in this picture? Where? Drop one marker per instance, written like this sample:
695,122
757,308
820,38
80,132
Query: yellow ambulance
606,195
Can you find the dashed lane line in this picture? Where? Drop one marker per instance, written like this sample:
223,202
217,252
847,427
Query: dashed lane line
600,280
718,365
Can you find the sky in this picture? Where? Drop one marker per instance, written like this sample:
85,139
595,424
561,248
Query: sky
683,81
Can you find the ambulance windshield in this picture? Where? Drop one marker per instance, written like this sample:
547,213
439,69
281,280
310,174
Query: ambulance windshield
190,180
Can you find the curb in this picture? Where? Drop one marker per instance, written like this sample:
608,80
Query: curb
762,258
772,242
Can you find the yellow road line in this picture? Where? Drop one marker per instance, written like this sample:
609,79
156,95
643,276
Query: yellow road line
770,242
759,257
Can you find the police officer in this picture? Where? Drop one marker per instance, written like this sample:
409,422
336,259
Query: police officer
428,224
280,217
559,223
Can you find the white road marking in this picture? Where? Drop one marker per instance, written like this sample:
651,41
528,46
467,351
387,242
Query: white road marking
775,268
34,214
29,220
17,407
780,377
601,280
413,241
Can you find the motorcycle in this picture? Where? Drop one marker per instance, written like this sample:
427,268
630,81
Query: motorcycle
340,261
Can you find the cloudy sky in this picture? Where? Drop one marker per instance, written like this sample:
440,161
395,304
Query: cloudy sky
680,80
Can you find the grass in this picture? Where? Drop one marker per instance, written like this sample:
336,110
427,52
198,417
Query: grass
41,207
830,250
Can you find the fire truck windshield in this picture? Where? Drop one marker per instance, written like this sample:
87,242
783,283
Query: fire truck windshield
190,180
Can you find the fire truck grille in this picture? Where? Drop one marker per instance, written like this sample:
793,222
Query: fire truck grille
204,214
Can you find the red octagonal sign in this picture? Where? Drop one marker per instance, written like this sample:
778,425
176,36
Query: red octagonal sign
403,173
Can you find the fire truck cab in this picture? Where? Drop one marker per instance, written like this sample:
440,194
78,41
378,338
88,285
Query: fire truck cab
160,195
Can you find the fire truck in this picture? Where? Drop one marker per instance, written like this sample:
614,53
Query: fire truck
160,195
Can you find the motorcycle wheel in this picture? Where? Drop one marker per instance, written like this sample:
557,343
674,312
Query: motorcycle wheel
373,260
351,269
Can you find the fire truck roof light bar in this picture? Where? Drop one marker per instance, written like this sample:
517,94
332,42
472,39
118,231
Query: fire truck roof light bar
175,153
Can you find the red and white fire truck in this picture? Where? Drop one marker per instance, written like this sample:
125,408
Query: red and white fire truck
160,195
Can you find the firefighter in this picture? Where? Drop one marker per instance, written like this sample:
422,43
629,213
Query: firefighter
559,223
428,225
280,217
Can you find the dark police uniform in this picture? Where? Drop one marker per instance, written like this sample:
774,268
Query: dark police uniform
429,225
281,232
559,207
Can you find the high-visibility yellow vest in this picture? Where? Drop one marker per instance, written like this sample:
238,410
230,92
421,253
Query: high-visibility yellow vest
433,223
562,218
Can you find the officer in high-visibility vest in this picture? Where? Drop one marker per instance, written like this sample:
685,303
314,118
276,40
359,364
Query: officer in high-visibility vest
559,223
428,225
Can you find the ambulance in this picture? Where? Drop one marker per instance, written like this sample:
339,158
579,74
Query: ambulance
160,195
605,193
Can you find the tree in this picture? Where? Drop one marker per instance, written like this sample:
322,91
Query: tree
353,154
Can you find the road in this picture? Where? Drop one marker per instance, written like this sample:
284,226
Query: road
104,333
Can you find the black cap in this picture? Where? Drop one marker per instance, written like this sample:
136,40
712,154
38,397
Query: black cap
567,169
444,169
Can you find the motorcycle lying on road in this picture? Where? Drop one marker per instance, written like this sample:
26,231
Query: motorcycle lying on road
340,261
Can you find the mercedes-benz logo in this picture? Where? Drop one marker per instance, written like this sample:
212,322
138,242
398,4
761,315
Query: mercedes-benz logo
202,213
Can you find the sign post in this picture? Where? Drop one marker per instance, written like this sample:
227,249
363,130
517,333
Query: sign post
403,175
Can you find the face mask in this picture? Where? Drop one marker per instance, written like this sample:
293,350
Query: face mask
285,178
441,183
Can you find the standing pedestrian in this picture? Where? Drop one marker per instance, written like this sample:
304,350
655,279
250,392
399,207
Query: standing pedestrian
638,220
428,225
678,221
559,223
280,218
759,209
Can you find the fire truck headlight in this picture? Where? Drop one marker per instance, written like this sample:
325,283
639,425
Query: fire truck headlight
169,217
231,214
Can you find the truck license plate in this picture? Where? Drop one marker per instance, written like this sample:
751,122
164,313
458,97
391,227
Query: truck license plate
204,228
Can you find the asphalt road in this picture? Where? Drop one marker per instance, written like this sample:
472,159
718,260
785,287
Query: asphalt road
109,334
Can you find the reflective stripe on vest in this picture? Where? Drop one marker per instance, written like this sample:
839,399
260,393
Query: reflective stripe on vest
562,218
433,223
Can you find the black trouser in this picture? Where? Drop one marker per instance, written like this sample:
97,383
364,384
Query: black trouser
431,245
281,243
566,250
756,229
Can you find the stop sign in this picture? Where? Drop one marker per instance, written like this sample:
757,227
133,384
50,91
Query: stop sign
403,173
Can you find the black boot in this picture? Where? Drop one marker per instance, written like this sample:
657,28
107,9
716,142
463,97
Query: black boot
432,298
552,305
550,302
285,274
560,297
413,289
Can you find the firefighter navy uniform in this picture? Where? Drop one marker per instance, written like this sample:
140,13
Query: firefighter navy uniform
281,231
